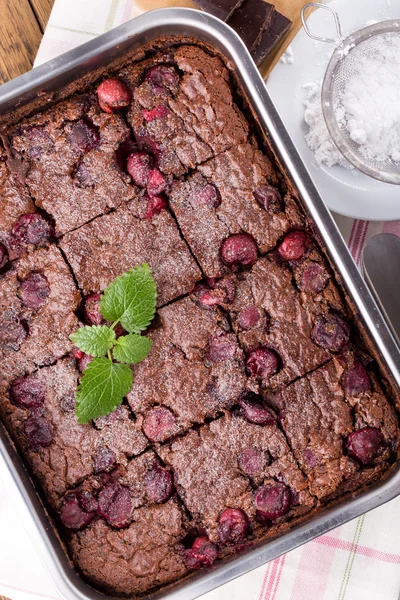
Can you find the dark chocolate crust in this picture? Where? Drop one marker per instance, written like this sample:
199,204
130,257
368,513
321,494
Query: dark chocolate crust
232,433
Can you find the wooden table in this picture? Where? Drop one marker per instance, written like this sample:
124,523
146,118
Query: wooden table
22,23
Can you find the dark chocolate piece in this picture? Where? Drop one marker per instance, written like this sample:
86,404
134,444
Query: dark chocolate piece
250,21
277,28
222,9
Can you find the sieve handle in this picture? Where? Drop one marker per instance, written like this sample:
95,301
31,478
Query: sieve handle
338,40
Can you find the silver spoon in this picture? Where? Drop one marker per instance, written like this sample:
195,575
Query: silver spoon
380,266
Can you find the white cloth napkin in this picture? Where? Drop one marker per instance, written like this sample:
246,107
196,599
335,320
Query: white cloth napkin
358,561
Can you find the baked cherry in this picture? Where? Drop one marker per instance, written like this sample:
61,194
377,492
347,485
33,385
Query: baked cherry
156,183
209,196
3,256
310,458
269,198
159,484
233,525
272,501
216,292
221,347
34,290
86,500
262,363
255,411
83,135
356,380
32,228
331,332
158,424
252,461
155,204
104,460
294,245
139,165
161,77
365,444
72,514
91,310
115,505
27,392
158,112
239,250
113,95
314,278
203,553
82,360
39,432
249,317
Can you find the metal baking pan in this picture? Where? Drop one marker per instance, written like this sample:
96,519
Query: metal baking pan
62,71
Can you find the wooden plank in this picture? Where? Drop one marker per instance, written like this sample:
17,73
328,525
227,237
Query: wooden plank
20,36
42,10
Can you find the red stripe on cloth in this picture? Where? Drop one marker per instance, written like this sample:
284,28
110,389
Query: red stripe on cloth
264,583
355,240
361,243
17,589
313,571
392,227
327,540
352,232
278,578
273,574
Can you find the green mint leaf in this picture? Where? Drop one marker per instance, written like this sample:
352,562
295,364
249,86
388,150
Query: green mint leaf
102,388
131,299
95,340
131,348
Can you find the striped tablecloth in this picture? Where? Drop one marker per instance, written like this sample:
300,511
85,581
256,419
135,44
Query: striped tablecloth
358,561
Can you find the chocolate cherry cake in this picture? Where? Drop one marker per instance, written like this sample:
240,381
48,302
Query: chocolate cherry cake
259,402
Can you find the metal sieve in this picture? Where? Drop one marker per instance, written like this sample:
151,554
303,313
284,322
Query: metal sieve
345,63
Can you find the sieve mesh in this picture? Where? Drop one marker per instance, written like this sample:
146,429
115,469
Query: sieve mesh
345,63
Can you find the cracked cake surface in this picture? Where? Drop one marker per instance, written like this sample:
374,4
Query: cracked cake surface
259,402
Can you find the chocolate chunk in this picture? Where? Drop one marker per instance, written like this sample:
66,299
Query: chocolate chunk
271,36
219,8
250,21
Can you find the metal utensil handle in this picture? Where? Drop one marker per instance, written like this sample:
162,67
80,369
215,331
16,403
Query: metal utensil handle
338,40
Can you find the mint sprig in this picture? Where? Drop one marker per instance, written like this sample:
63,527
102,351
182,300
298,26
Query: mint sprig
130,300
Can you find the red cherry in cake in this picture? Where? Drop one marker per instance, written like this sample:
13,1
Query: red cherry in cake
83,360
222,291
364,444
113,95
249,317
13,331
32,228
91,310
115,505
159,484
221,347
83,135
104,460
158,112
272,501
314,278
27,392
203,553
34,290
162,77
252,461
239,250
3,256
158,424
269,198
356,380
331,332
156,183
38,432
139,165
72,514
155,204
262,363
254,410
209,196
294,245
233,525
86,500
